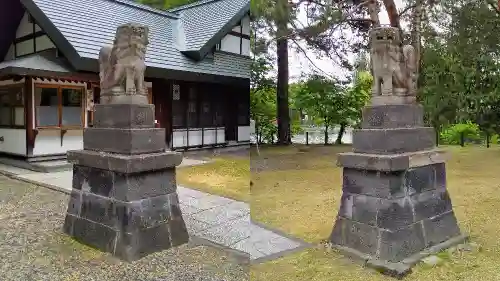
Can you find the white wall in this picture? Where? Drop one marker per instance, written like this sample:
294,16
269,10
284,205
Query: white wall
27,47
244,133
180,137
48,141
14,141
231,43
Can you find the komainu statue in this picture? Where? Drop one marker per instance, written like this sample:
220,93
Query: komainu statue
393,64
122,65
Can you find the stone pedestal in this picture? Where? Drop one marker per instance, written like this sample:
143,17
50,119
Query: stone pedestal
124,199
395,208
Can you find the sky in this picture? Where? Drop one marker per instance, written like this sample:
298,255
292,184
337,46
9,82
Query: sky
299,63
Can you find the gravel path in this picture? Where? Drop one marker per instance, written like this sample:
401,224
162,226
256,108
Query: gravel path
33,247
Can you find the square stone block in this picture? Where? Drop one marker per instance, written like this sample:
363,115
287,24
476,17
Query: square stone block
126,164
431,203
388,141
124,116
396,245
125,141
124,187
359,208
393,116
90,233
355,235
395,184
374,183
132,246
441,228
395,213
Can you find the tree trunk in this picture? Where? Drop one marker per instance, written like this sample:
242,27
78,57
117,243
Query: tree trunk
283,113
340,134
416,30
392,12
326,134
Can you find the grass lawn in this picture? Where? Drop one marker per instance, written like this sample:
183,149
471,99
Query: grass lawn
227,176
297,190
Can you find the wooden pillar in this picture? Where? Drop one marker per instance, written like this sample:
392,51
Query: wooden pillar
28,115
162,99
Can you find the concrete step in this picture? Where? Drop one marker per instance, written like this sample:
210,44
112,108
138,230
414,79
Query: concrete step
49,166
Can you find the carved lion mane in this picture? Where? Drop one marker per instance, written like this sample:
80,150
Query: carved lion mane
122,65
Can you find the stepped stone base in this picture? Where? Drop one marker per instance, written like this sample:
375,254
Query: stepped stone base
124,198
395,208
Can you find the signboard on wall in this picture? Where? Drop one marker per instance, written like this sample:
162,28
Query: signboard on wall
176,92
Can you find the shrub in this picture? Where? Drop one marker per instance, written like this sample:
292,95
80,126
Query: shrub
469,130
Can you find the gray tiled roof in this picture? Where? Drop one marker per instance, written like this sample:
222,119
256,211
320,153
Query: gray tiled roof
87,25
212,15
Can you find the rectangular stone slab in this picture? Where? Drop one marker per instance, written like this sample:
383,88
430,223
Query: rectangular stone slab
123,163
395,140
125,187
391,162
125,141
395,184
393,116
124,116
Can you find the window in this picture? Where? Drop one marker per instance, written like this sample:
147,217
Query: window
59,106
192,110
12,105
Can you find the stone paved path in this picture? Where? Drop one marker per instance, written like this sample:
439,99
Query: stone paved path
220,220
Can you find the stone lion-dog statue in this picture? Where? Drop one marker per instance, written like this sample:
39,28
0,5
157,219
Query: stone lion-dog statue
122,65
393,64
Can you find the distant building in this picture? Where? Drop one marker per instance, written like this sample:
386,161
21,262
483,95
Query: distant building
198,71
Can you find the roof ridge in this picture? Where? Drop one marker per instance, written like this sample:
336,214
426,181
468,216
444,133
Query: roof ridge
192,5
144,7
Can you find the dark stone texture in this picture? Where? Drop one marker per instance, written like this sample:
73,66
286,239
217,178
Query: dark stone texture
440,228
124,187
395,213
391,162
355,235
395,184
94,234
124,141
393,116
142,227
390,216
401,243
138,244
124,116
387,141
126,164
440,175
75,202
128,216
373,183
359,208
431,203
420,179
